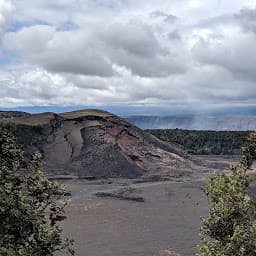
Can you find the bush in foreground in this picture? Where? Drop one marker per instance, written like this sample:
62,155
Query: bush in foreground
30,205
230,228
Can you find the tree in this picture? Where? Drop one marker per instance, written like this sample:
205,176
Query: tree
230,228
30,205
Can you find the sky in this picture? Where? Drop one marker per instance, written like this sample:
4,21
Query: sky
177,55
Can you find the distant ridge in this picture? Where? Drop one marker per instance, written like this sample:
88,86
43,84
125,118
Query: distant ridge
191,122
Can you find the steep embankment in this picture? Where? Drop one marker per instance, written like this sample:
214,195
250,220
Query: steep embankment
96,143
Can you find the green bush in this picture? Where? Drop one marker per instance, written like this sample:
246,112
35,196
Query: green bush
230,228
30,205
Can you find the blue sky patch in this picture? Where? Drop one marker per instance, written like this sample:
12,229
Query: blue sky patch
7,56
16,25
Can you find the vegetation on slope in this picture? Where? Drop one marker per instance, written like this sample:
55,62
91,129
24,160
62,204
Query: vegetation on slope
31,137
26,134
204,142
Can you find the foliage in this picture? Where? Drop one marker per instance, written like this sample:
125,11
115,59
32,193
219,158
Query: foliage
230,228
30,205
26,135
204,142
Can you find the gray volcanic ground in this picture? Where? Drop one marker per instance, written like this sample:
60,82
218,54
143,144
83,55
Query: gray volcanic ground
169,219
118,223
109,218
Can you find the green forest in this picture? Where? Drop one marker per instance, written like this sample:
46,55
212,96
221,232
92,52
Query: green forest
204,142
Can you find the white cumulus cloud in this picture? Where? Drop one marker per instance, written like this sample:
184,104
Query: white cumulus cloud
179,52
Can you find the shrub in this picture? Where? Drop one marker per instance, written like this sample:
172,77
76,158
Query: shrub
30,205
230,228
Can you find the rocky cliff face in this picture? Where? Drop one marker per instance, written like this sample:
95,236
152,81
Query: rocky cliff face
98,144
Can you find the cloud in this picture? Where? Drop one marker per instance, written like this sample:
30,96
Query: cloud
207,85
6,8
233,50
166,17
94,51
128,52
247,18
59,51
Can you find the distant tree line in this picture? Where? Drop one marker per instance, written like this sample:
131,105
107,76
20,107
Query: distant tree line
204,142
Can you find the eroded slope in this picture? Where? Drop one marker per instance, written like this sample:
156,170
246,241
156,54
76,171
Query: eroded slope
99,144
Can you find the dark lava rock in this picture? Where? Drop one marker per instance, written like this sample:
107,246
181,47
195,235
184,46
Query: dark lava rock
122,194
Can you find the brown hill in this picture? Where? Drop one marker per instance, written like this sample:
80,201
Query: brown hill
97,143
